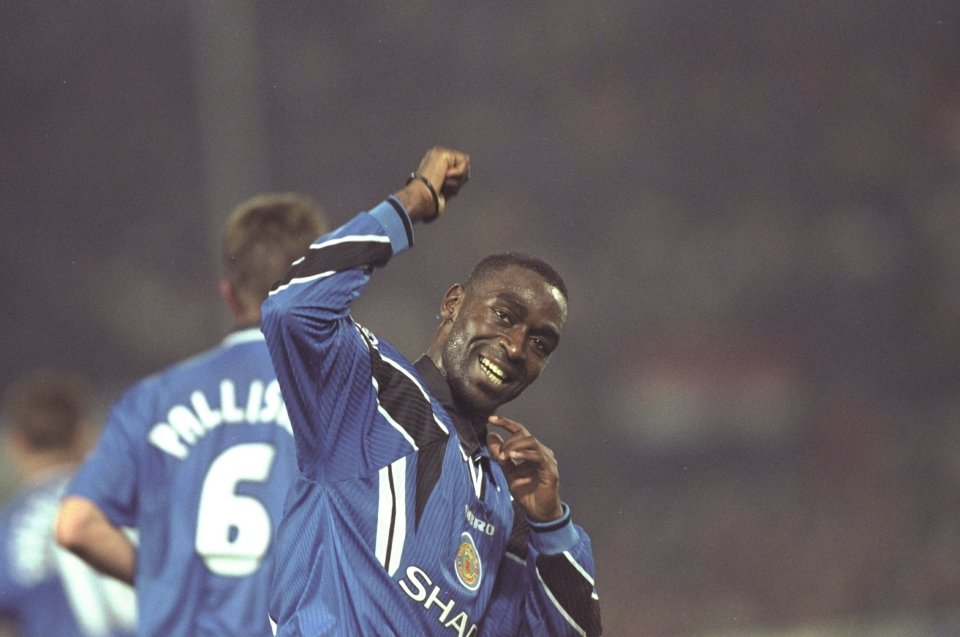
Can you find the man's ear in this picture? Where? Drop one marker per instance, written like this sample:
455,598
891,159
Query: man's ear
451,302
228,294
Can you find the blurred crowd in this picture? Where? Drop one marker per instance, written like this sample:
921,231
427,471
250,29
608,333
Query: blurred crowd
756,207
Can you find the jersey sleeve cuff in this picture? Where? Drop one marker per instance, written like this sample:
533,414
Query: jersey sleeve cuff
555,536
396,222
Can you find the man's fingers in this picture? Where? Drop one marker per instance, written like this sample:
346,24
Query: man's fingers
458,172
495,442
496,445
519,444
443,164
517,457
458,163
450,188
510,425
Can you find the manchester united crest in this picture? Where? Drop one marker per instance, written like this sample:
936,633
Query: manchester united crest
468,565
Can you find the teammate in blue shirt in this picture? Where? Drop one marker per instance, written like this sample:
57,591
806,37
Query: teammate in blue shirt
44,590
199,457
409,516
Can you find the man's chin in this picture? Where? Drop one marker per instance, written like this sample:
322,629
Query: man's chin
479,401
488,399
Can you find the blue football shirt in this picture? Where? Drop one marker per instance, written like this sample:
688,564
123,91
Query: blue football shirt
199,458
399,523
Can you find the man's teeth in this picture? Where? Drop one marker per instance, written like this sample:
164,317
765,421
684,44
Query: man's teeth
492,371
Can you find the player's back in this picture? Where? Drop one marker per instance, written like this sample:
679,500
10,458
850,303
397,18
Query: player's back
209,454
44,590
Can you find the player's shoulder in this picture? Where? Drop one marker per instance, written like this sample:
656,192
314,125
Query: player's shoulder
238,354
382,347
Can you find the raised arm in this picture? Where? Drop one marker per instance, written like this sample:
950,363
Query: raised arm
322,362
438,178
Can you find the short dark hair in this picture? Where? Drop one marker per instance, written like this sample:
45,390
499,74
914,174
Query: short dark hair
263,236
496,262
48,408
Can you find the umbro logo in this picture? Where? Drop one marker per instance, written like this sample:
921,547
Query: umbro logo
477,523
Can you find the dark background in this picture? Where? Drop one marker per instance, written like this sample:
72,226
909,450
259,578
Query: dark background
756,206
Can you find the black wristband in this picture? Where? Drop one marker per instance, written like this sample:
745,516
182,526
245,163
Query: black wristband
433,193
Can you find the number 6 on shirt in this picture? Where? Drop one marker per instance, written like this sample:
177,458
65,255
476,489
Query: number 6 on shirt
233,531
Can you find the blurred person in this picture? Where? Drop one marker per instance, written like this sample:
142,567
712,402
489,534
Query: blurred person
44,590
408,516
199,456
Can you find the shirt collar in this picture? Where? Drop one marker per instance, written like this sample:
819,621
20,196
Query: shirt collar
244,335
471,433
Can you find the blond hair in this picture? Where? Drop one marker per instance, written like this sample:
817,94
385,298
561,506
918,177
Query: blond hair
262,237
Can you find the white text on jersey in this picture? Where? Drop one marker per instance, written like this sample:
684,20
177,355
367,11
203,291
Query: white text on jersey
187,424
481,525
417,591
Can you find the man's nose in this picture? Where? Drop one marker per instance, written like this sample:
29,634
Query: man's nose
512,340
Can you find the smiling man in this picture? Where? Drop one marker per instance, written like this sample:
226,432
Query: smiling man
409,517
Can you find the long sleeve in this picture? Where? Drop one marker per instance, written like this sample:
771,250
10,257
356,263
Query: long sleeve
564,594
551,567
321,359
386,485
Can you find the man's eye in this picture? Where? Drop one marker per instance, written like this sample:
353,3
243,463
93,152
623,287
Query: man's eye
541,345
503,316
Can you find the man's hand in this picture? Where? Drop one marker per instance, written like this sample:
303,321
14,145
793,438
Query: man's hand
447,171
530,468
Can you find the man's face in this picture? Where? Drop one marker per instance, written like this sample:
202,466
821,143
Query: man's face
504,328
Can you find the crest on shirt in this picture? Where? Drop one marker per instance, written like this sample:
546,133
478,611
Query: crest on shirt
468,567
